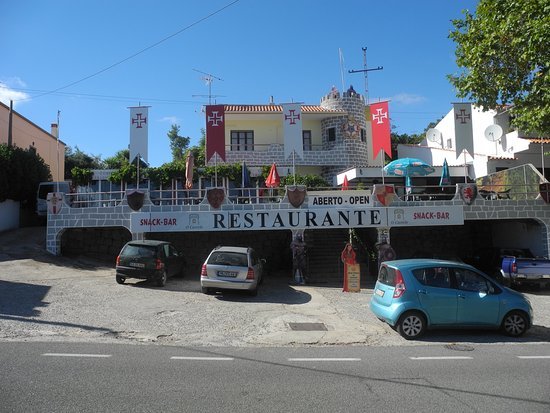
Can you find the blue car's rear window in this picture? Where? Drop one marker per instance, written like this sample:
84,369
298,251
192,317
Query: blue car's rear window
386,275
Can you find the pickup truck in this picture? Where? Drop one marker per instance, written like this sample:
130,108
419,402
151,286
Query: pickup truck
518,271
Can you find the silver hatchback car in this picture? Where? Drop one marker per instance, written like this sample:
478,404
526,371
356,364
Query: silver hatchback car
232,268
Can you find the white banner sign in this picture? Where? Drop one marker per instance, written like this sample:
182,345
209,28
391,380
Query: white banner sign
257,220
426,216
346,199
285,219
139,129
292,129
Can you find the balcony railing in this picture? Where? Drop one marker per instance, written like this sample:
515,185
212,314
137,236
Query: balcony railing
258,195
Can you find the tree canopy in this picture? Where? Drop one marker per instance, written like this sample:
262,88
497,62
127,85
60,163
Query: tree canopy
80,160
21,170
178,144
504,53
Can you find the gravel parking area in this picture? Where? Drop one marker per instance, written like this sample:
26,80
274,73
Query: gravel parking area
43,297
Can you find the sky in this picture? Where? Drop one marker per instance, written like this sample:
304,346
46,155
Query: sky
86,62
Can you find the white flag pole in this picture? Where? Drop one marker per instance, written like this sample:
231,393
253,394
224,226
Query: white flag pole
465,170
382,156
216,168
294,166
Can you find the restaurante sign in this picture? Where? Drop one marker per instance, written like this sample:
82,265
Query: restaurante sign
281,219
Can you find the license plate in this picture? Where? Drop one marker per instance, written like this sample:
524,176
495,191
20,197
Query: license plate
137,265
227,274
379,292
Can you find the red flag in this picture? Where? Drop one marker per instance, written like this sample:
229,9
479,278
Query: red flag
345,185
215,131
380,124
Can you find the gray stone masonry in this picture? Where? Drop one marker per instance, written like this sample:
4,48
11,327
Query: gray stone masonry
119,216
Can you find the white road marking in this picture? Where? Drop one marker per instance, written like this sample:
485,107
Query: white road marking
76,355
442,358
203,358
324,359
533,357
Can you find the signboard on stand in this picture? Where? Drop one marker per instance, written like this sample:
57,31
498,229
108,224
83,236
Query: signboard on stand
353,277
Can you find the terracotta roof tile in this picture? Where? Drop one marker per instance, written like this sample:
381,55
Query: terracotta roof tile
277,109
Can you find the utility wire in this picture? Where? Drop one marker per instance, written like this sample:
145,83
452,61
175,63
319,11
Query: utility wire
140,52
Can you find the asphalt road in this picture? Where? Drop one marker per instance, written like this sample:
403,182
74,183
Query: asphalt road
60,377
47,298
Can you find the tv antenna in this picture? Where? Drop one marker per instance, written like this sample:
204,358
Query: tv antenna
208,78
365,70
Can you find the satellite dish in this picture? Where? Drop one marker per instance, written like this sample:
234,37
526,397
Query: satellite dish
493,133
433,135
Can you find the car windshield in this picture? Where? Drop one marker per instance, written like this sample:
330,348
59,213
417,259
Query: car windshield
139,251
234,259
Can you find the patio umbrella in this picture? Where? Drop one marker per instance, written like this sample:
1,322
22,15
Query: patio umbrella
345,184
445,176
189,163
408,167
273,178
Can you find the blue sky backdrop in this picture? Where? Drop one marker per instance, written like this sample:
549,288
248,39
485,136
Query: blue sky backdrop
288,49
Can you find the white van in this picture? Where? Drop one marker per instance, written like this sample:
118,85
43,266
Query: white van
44,188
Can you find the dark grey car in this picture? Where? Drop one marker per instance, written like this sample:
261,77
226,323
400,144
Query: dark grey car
149,260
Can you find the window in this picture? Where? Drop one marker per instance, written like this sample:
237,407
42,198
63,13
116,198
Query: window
387,275
363,135
433,277
470,281
242,140
306,138
449,143
331,134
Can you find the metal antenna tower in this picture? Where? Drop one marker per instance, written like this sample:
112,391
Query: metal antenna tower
208,78
365,71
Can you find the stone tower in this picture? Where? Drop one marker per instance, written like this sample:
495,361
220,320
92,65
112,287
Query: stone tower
345,136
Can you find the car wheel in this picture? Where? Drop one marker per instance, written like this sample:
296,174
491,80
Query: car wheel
253,293
120,279
411,325
206,290
161,282
515,324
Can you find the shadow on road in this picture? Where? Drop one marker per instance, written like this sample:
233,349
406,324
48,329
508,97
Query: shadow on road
535,334
20,299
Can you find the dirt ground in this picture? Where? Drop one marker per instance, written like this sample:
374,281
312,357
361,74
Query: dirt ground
44,297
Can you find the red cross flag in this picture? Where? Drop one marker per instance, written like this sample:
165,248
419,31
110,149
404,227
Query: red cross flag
292,129
139,129
464,133
215,131
380,125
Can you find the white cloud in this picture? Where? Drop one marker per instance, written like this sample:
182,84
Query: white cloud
408,99
173,120
8,91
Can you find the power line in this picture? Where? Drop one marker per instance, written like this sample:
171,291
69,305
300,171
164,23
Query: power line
141,51
107,97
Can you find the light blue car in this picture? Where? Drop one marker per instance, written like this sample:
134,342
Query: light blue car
417,294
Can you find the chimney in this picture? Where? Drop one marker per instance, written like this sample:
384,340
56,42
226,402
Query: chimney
271,100
55,130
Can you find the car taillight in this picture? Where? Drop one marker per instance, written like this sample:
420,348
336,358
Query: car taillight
159,265
399,285
118,260
250,273
203,271
514,267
